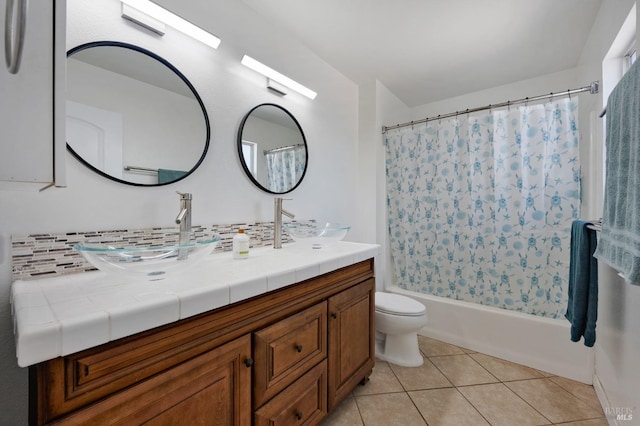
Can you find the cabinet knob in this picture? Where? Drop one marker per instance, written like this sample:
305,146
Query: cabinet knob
248,362
299,348
334,315
298,415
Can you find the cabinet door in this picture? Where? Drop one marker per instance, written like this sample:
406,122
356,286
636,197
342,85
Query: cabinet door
27,102
211,389
351,339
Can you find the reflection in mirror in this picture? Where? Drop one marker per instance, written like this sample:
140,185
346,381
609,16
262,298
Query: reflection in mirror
132,116
272,149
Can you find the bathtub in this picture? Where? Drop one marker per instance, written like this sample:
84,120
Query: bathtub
537,342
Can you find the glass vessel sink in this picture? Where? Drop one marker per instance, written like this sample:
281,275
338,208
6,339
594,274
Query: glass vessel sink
153,261
315,235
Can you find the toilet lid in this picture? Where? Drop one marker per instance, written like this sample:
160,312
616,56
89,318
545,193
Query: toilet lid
396,304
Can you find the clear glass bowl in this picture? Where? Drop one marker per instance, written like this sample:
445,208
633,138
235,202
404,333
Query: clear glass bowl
314,235
153,262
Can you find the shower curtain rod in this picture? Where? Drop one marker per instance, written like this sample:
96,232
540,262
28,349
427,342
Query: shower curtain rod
593,88
136,169
284,148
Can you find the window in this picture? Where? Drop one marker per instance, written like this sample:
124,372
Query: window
250,154
629,57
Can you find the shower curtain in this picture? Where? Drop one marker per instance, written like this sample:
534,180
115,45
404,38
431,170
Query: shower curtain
480,206
285,167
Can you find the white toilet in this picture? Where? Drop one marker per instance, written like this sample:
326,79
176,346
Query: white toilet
398,319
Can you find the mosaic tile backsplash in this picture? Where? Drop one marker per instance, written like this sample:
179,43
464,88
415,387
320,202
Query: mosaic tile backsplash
48,255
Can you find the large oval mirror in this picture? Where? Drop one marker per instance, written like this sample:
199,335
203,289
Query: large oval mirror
132,116
272,149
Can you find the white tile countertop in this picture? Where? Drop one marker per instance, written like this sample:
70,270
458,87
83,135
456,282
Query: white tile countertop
54,317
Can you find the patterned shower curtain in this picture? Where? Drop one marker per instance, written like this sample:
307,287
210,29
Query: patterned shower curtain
285,167
480,206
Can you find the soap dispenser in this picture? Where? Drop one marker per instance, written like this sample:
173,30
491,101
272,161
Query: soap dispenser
240,245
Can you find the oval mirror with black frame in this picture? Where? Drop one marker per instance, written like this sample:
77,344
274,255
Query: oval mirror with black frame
272,149
132,116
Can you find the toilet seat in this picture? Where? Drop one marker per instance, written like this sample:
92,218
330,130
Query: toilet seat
394,304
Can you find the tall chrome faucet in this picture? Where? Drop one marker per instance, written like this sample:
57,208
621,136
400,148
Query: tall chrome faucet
278,211
184,220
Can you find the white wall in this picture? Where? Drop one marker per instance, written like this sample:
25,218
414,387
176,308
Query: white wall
378,107
617,375
221,191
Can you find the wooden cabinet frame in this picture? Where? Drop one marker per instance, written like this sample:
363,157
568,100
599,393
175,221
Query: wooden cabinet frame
64,385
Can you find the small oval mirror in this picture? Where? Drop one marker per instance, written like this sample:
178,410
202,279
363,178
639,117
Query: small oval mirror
132,116
272,149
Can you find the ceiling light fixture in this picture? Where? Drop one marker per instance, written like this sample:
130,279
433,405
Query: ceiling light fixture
156,13
277,77
276,87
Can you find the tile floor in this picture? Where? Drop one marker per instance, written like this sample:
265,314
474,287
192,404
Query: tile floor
458,387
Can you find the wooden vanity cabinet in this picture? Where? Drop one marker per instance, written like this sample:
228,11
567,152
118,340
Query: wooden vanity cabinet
210,389
351,340
309,362
302,403
285,357
286,350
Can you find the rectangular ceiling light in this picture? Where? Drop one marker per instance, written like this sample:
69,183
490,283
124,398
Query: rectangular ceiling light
276,76
142,19
173,20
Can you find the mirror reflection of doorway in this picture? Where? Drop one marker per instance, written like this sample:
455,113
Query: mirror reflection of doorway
98,136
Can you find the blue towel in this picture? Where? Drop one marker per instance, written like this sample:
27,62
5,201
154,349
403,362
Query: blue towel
582,310
619,244
167,175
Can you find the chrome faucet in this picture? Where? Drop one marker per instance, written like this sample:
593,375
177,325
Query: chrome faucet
278,211
184,220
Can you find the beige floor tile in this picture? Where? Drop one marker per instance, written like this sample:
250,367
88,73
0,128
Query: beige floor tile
579,390
427,376
382,380
432,347
528,396
592,422
554,402
389,410
345,414
505,370
446,407
500,406
462,370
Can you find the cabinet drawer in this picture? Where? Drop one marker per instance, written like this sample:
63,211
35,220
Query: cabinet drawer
302,403
285,350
